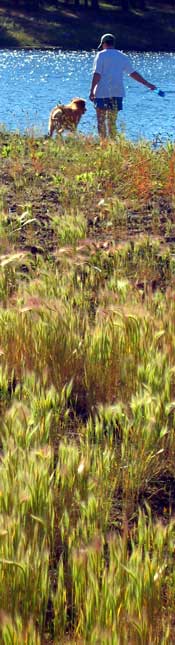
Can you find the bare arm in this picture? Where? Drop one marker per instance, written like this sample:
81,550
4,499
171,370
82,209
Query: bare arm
95,80
140,79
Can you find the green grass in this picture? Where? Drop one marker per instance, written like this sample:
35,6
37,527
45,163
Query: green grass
87,388
65,27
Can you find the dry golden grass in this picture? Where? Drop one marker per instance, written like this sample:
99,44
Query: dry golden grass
87,389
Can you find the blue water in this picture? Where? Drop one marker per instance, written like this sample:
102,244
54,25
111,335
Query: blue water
33,82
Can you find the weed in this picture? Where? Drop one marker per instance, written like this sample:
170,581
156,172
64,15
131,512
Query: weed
87,389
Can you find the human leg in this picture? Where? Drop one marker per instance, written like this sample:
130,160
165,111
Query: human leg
115,104
111,121
101,122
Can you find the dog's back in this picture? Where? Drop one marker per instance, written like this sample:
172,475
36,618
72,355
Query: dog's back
66,117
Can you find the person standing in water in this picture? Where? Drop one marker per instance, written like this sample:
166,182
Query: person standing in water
107,88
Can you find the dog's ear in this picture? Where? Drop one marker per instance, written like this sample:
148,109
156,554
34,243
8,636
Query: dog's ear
79,102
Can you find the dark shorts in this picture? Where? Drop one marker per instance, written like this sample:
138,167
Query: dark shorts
109,104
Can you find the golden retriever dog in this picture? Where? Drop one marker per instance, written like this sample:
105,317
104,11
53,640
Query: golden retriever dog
66,117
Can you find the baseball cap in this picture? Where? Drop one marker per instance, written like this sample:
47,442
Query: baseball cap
107,38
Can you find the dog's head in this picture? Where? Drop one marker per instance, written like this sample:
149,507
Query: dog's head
80,104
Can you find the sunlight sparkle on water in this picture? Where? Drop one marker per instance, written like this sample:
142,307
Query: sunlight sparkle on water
33,82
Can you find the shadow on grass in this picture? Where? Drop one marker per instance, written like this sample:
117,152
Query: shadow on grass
6,39
70,28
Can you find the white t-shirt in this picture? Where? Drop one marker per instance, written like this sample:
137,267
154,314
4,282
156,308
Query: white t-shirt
111,64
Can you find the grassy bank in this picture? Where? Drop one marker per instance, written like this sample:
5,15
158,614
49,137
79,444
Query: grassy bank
87,388
65,27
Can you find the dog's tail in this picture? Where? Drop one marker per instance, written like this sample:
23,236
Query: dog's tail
50,132
51,125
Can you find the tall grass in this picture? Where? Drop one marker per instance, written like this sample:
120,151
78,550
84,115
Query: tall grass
87,389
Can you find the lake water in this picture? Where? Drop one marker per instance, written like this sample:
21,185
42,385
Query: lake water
32,82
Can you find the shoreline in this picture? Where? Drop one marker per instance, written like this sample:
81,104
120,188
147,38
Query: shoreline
81,49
